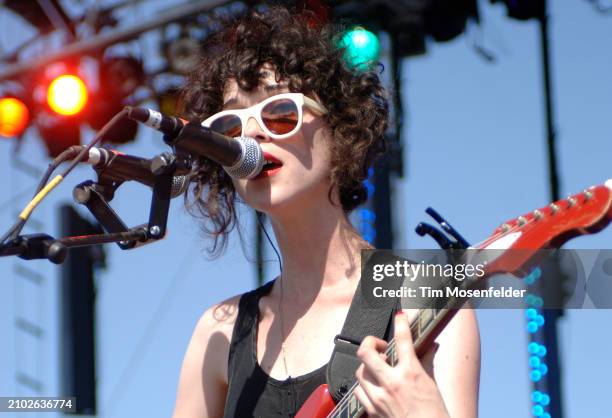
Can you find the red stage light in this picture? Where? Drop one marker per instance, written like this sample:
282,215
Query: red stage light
67,95
14,117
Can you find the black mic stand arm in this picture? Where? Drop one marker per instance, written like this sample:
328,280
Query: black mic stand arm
95,196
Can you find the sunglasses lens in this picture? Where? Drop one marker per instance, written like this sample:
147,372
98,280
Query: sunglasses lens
228,125
280,116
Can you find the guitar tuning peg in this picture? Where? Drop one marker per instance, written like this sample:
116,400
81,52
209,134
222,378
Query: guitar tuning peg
571,201
587,194
554,208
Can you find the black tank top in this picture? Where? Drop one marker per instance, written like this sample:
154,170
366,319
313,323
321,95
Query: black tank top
251,391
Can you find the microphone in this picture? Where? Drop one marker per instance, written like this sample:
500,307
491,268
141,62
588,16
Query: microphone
123,167
170,126
241,157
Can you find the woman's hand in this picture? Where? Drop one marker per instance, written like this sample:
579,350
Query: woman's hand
406,390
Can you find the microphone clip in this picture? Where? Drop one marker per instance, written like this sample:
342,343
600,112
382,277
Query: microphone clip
168,162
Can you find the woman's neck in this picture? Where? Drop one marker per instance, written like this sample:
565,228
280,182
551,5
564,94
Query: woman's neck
320,249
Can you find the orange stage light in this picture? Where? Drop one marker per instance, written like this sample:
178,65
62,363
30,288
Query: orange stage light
67,95
14,117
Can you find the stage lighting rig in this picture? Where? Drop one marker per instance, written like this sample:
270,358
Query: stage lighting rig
38,13
409,22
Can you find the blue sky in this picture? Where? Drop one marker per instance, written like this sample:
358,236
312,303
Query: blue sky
475,151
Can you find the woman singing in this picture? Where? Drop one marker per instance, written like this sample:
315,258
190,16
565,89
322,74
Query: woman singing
280,78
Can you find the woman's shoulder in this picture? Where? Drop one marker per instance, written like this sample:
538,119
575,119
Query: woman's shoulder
207,350
221,317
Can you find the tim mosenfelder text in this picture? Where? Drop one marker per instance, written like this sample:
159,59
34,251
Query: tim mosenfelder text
448,292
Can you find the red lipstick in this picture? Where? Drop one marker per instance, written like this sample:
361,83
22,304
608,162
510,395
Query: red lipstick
271,166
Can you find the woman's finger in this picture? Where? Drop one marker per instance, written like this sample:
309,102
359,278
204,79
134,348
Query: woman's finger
370,389
362,398
374,343
406,355
369,353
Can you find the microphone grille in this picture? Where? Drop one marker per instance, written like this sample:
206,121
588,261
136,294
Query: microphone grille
179,185
251,161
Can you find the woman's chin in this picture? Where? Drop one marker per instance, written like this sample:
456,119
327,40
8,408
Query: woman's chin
275,204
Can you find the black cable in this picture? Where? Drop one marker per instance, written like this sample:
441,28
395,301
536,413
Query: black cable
17,225
280,264
14,231
64,156
67,154
99,136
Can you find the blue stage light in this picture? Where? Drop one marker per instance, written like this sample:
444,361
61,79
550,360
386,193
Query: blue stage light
362,48
542,351
535,375
537,351
537,410
367,222
536,396
532,327
538,302
537,272
531,313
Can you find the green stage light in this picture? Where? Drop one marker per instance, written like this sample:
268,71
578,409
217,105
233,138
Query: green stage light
362,48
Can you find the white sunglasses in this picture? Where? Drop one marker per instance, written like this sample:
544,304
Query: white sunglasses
279,116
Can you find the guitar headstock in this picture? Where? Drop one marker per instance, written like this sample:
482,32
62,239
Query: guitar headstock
550,227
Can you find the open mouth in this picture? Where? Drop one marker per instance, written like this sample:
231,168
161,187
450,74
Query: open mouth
271,166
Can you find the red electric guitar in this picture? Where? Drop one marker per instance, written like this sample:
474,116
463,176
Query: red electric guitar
549,227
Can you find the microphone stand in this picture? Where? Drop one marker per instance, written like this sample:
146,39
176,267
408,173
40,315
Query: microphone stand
95,196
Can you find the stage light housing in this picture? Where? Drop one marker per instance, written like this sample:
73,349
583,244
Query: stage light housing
57,132
67,95
362,48
14,117
119,78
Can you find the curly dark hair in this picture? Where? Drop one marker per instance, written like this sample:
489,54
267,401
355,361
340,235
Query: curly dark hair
306,55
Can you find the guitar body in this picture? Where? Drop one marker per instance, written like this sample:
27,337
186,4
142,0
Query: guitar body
318,405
